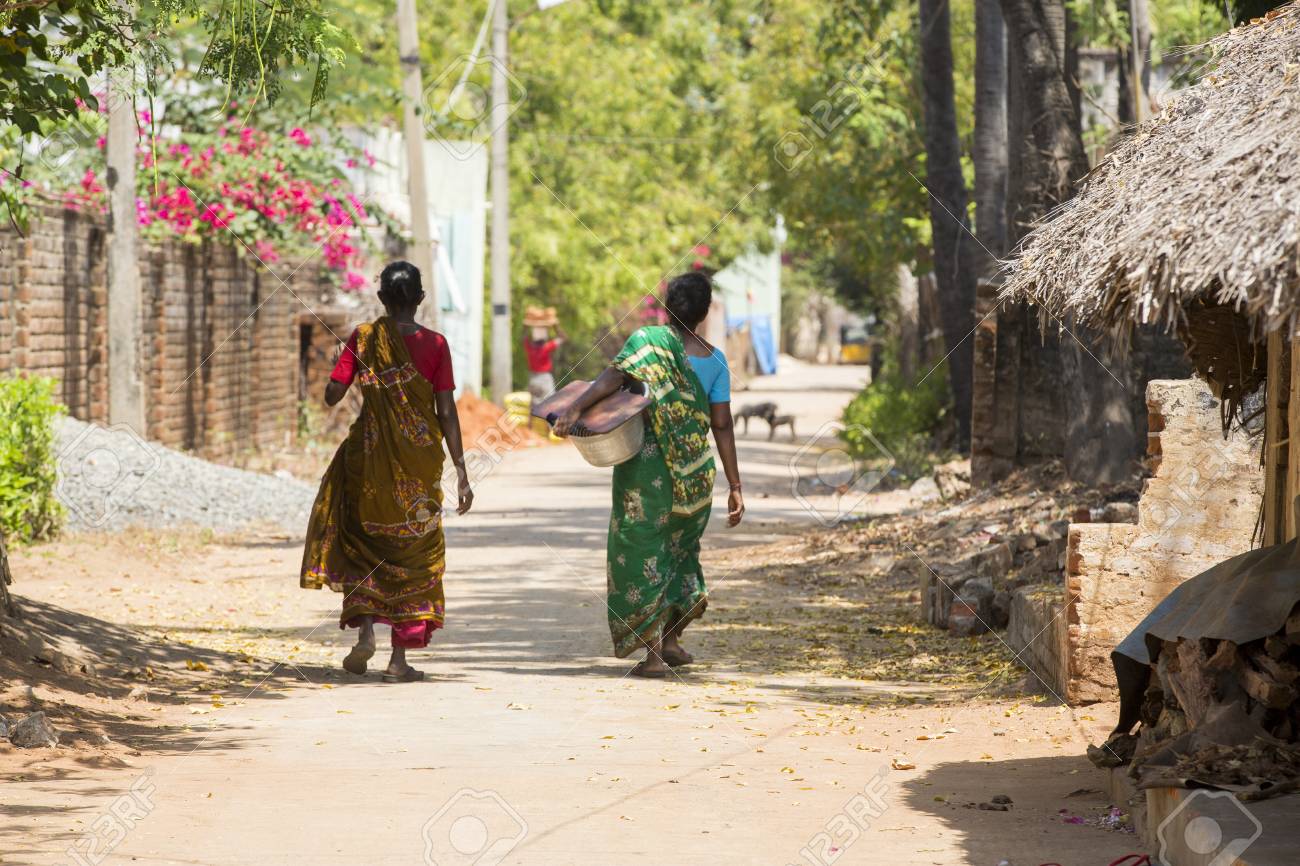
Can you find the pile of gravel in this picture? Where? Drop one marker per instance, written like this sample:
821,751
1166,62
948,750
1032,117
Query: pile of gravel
110,478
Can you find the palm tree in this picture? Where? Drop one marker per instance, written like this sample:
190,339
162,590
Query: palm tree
1100,434
954,264
990,149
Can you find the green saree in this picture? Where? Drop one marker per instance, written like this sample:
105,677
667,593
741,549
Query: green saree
375,533
662,499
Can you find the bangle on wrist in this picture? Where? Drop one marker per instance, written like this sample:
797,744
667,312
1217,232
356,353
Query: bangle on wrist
735,486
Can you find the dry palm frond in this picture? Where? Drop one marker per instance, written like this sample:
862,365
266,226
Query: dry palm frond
1202,203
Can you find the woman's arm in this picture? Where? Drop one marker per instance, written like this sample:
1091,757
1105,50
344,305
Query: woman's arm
444,404
609,381
334,391
725,436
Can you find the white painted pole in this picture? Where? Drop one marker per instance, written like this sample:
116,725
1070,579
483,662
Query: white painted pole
502,338
126,399
408,46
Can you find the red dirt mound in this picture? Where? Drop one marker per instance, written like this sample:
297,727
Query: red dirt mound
478,416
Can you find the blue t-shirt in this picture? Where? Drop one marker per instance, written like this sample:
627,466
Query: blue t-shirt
714,375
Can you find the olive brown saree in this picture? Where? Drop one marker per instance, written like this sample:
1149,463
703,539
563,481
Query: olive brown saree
376,527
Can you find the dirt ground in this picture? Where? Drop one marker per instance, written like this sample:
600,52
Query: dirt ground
823,723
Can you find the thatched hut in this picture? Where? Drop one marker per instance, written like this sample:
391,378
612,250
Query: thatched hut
1193,223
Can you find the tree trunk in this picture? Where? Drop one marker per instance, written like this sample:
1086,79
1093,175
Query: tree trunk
990,134
1038,26
1100,435
954,264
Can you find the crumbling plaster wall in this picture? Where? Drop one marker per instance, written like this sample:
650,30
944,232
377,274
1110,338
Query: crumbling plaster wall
1199,508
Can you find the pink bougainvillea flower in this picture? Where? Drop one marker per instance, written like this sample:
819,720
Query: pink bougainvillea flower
266,251
298,136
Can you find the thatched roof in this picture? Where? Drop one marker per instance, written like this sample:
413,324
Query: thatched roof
1201,204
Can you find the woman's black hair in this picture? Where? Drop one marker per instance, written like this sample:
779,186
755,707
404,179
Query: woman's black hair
688,297
400,287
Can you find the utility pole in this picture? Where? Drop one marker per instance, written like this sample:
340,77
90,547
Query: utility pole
502,339
125,387
408,46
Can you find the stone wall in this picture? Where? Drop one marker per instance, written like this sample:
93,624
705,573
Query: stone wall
219,354
1199,508
1037,634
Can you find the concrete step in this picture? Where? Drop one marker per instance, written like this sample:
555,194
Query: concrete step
1213,828
1124,793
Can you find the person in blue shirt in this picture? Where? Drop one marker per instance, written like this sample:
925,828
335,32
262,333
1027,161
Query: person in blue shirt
662,495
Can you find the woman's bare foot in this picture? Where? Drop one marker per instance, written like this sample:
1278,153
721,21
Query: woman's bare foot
673,652
651,667
355,662
398,671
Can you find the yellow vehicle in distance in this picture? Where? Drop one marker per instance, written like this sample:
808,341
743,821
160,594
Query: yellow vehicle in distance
856,345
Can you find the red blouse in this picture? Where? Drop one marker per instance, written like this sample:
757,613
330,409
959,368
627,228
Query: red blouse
429,352
539,355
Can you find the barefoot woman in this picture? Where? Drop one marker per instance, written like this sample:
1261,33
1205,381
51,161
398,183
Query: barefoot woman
662,496
376,528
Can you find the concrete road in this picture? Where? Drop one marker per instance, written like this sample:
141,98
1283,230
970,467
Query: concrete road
529,745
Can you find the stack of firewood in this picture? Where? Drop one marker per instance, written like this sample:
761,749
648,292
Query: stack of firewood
1224,714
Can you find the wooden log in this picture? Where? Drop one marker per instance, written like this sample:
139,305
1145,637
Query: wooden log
1264,689
1225,657
1284,673
1192,683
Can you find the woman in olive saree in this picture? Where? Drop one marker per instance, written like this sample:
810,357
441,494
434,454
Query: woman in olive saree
376,528
664,494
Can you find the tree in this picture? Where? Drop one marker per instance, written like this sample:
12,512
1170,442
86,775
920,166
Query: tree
990,150
53,54
1100,434
954,264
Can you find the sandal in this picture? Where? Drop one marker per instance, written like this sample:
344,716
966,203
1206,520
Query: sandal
676,659
355,662
410,675
640,671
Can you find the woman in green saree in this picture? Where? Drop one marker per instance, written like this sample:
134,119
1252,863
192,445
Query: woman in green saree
376,528
663,495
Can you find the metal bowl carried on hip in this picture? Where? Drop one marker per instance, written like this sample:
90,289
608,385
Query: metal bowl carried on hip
608,433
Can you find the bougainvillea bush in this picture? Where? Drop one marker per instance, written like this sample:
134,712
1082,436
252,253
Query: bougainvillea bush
278,196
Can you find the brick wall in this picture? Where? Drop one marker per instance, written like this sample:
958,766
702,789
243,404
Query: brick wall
219,353
1198,509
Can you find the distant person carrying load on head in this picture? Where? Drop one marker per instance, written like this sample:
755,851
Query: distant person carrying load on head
376,527
664,492
539,348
